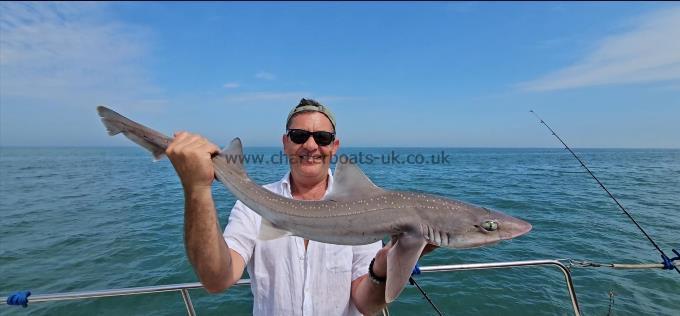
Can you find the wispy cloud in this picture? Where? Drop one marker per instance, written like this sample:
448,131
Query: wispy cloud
265,75
71,53
232,85
649,52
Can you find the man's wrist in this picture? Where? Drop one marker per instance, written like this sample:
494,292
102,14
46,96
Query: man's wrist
375,278
196,198
197,191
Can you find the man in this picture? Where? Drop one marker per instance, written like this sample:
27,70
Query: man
289,275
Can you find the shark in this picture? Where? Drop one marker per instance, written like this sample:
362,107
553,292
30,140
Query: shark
354,212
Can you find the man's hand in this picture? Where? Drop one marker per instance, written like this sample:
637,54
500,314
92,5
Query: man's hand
191,154
380,264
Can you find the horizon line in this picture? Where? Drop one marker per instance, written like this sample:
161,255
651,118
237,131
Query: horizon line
379,147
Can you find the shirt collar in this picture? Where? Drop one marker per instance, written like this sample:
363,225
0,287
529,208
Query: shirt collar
285,184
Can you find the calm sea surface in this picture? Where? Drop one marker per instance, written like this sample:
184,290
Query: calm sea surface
75,219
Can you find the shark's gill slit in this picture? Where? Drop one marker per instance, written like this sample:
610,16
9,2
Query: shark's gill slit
436,236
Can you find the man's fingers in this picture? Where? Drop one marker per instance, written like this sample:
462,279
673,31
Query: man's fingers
193,139
181,136
177,142
204,148
203,145
182,141
191,144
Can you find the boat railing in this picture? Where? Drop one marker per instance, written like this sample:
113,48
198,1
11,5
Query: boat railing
184,288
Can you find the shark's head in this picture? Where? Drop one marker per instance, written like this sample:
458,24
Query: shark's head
481,226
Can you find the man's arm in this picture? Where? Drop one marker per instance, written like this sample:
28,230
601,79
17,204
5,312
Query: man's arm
368,297
217,266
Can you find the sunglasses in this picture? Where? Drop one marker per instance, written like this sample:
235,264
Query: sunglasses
300,136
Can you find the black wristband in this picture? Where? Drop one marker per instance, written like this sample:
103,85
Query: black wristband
374,278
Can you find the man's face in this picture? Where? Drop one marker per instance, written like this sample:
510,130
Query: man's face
309,160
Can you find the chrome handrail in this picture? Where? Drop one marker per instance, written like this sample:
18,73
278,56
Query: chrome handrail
500,265
184,287
120,292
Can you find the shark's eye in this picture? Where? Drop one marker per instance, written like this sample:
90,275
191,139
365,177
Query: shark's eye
490,226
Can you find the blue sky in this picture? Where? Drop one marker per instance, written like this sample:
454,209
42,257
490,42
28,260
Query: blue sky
395,74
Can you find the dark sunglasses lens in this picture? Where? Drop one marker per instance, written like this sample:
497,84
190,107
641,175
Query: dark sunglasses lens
323,138
298,136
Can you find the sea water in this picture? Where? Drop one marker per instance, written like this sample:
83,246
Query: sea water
77,219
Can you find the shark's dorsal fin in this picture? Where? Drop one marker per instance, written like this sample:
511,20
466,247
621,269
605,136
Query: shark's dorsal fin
235,148
233,156
350,183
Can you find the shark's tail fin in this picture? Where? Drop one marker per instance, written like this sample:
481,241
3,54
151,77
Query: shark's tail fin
150,139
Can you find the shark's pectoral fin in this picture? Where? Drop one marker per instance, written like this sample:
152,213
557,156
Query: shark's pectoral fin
269,232
401,259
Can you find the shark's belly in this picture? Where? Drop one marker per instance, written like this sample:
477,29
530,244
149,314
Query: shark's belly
359,229
341,232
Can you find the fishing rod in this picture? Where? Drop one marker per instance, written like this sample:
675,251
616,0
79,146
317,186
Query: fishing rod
666,260
413,282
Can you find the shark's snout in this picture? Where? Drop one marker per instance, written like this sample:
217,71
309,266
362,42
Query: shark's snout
514,228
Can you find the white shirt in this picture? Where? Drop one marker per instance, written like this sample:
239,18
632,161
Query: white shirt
286,279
